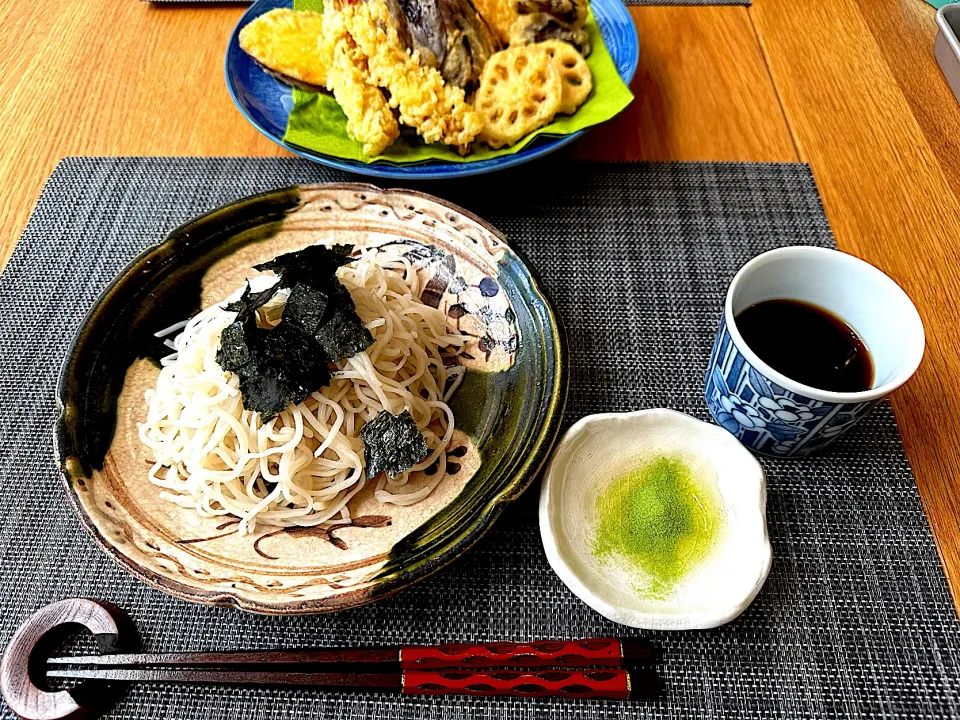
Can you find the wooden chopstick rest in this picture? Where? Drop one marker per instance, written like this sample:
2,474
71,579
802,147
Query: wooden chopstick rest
19,668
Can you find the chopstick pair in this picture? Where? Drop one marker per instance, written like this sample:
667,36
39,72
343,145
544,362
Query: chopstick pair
605,668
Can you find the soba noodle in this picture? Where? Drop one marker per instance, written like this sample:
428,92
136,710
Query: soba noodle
302,467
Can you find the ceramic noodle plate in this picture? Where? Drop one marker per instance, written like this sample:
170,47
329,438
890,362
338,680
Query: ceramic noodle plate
507,409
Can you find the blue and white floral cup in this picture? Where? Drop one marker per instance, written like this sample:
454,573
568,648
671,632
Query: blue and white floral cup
774,415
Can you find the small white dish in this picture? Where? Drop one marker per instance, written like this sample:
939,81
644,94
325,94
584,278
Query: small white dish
598,449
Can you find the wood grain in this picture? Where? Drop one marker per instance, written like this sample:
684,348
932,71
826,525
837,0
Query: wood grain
25,698
904,33
111,78
702,92
890,202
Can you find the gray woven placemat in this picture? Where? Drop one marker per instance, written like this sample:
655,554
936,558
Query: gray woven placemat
854,621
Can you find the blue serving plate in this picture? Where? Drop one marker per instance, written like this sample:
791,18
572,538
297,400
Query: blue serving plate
267,103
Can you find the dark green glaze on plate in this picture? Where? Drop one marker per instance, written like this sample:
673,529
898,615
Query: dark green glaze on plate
512,416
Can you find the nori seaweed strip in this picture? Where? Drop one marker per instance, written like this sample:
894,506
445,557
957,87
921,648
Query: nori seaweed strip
276,367
251,301
285,366
316,265
234,349
392,444
233,352
319,323
318,302
288,363
331,319
342,332
305,307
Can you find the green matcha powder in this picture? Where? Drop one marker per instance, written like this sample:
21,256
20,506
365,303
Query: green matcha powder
661,520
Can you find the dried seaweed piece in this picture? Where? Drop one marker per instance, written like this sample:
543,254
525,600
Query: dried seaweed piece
305,307
316,265
318,302
286,365
276,367
342,333
233,352
251,301
392,444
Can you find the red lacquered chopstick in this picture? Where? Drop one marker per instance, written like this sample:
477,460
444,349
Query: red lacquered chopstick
600,683
605,652
594,652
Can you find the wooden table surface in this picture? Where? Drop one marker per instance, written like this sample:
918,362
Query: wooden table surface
848,86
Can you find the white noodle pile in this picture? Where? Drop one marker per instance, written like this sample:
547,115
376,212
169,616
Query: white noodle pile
302,467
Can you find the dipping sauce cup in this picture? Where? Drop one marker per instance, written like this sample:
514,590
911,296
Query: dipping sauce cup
774,415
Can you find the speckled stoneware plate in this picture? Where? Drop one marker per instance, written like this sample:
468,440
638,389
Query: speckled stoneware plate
507,410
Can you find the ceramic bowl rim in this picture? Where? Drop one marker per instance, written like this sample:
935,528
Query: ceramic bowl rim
541,444
650,621
914,357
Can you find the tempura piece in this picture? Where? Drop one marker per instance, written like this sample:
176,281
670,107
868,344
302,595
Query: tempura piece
500,16
287,44
521,90
450,35
525,22
541,27
570,12
438,112
369,117
574,72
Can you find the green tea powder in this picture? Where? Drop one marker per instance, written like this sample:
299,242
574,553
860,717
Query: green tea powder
661,519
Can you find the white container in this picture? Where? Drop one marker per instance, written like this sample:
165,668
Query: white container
590,455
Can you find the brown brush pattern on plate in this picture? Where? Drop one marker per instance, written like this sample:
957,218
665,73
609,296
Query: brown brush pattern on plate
507,409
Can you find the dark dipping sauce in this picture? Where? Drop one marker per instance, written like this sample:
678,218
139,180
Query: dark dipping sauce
808,344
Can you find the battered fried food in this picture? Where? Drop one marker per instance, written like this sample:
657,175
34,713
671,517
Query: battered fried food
389,62
450,35
500,16
540,27
571,12
438,112
520,91
574,73
286,43
525,22
369,117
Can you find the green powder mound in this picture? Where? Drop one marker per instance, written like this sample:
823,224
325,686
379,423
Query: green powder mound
659,519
